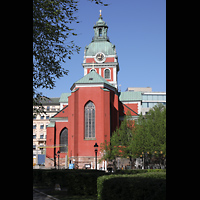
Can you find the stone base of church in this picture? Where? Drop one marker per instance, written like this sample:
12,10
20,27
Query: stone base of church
81,162
86,162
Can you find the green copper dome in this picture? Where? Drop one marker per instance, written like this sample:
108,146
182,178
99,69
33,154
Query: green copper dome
104,46
100,41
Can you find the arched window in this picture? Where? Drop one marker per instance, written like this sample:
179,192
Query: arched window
107,73
100,32
90,120
64,140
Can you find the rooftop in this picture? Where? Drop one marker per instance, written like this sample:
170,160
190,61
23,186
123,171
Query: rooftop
130,96
92,78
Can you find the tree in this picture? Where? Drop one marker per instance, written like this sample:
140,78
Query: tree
149,138
51,30
132,139
150,132
119,142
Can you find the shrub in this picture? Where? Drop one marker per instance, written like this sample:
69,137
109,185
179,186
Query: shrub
82,182
136,171
151,186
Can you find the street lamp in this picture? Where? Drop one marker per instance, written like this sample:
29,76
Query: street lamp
96,149
58,153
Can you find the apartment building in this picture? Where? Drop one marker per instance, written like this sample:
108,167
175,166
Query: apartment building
40,123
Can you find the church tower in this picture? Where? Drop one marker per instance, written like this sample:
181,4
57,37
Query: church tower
101,54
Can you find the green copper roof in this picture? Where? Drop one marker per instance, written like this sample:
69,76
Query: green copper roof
100,41
100,23
100,46
51,124
92,78
64,97
130,96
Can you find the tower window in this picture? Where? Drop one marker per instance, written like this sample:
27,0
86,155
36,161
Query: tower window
89,120
107,73
100,32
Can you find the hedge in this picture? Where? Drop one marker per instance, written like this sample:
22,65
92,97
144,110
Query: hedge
151,186
82,182
136,171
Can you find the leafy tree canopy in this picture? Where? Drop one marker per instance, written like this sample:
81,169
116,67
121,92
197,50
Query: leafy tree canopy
52,20
134,138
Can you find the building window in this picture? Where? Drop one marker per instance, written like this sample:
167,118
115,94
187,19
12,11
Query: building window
100,32
34,136
42,126
47,117
107,73
90,120
64,140
34,126
53,108
42,136
42,117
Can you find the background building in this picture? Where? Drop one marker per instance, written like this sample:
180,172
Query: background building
40,123
149,98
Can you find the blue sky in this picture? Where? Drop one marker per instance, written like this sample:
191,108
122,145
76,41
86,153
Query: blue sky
138,30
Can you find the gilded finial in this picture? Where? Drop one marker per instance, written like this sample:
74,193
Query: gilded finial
100,13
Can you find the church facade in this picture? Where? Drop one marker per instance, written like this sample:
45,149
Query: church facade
93,109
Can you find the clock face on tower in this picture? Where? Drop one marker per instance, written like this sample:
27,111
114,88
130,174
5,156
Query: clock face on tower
100,57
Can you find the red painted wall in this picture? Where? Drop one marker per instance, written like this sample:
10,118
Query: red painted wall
91,60
133,106
88,70
102,72
111,59
50,142
107,112
78,145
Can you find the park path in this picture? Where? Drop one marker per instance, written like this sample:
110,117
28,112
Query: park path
41,196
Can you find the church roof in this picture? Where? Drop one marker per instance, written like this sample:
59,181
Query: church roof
130,96
92,78
64,97
100,46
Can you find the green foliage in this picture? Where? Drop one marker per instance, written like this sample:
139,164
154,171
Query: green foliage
132,139
150,133
119,143
52,28
78,182
136,171
151,186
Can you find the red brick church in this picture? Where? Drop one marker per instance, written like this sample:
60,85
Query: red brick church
93,109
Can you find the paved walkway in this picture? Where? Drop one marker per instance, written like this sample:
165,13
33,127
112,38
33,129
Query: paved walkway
37,195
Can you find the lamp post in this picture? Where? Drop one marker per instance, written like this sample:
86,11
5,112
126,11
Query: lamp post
58,153
96,149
